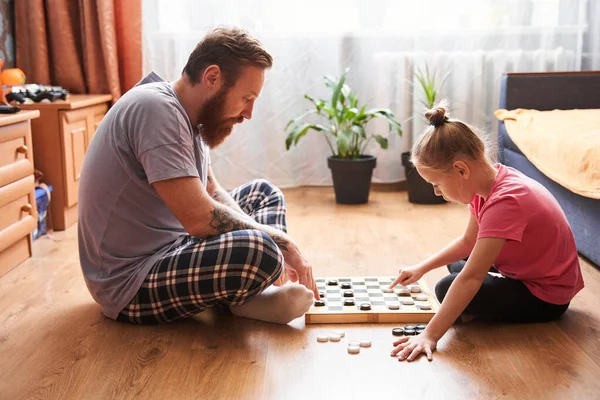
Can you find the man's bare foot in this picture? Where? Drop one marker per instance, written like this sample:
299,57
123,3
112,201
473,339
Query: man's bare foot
280,305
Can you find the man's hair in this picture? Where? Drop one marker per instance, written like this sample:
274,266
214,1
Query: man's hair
229,48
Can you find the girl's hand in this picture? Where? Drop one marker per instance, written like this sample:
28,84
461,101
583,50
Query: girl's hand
407,348
408,275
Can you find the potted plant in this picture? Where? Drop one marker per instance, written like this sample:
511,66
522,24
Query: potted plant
346,134
419,191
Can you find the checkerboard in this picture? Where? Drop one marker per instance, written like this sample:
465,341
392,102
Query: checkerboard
414,303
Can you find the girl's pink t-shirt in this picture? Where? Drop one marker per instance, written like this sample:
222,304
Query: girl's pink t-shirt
540,249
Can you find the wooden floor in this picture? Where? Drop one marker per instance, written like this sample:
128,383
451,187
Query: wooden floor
56,344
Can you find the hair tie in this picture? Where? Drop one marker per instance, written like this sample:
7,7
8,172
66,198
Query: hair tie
437,124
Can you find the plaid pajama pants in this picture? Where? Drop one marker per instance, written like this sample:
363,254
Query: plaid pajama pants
225,270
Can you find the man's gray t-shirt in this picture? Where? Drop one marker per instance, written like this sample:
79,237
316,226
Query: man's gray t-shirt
124,226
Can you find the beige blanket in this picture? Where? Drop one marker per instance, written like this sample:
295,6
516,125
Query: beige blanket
563,144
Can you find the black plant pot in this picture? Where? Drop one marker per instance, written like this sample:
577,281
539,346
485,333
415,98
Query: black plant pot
352,178
419,191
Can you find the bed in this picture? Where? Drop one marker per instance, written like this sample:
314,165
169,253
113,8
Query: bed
544,92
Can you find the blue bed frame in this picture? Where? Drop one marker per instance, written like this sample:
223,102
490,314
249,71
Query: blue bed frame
549,91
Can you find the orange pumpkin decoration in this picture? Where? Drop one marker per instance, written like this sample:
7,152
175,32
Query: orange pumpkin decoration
13,77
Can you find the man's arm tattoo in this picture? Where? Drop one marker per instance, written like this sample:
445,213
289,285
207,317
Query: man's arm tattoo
222,222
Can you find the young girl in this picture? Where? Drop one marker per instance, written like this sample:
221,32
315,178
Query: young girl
516,228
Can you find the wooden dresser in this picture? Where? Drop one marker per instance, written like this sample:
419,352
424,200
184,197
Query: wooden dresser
18,216
60,139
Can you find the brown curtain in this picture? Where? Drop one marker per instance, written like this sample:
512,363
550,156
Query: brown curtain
85,46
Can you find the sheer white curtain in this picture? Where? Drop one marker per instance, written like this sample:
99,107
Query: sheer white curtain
382,42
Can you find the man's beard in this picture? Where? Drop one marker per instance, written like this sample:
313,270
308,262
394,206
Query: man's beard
214,128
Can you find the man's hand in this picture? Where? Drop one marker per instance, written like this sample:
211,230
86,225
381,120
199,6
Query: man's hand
296,266
407,348
408,275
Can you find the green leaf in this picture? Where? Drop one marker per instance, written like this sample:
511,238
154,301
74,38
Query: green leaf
361,114
351,113
359,130
337,92
348,114
330,112
298,118
386,113
428,84
395,125
300,130
343,140
291,137
301,133
319,104
353,99
330,82
383,142
289,140
379,111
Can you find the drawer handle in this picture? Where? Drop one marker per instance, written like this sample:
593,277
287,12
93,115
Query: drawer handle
22,149
27,208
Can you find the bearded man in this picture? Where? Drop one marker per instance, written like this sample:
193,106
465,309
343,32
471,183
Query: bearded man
159,239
